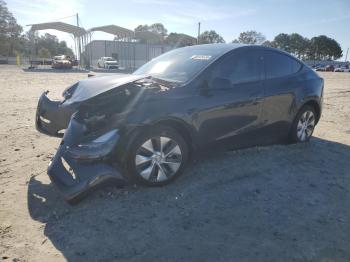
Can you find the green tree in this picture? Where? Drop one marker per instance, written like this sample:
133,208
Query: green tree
298,45
142,28
250,37
268,43
64,49
324,48
48,41
44,53
209,37
9,31
317,48
335,51
180,40
159,29
52,44
282,41
31,43
155,28
30,47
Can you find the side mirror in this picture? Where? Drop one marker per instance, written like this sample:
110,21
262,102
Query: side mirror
220,83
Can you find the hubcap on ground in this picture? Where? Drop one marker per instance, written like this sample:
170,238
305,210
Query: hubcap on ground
305,125
158,159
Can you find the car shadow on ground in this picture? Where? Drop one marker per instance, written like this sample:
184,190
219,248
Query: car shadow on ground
77,70
104,70
276,203
52,70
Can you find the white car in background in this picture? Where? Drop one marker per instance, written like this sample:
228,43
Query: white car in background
107,62
342,69
61,62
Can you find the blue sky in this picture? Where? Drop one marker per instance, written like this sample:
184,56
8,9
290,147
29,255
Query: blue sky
228,17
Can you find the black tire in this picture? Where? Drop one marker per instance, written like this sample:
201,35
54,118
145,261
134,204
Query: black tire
294,137
131,171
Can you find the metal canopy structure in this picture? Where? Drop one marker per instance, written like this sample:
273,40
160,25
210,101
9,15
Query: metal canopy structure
76,31
83,37
118,31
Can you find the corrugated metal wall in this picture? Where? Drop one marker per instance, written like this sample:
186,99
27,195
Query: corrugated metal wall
130,55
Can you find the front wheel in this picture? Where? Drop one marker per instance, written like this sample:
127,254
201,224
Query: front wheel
303,125
156,157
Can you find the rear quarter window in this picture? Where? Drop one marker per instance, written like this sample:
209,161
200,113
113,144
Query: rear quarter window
279,65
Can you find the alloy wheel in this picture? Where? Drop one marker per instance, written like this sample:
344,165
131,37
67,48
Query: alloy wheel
306,125
158,159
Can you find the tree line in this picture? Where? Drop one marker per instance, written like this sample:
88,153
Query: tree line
317,48
14,42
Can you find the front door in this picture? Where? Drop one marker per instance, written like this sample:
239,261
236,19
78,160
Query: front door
230,99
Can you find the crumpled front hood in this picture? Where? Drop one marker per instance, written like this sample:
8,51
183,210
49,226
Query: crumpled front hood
90,87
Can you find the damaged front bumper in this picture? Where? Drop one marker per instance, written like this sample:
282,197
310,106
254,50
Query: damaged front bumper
80,166
52,117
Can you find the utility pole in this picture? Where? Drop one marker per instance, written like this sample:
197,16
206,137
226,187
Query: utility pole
79,46
199,32
346,56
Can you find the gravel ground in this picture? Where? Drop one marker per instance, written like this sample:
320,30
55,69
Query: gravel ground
276,203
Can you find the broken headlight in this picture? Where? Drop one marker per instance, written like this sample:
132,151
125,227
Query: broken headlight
95,122
68,92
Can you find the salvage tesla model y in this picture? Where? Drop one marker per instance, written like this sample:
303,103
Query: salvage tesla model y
142,127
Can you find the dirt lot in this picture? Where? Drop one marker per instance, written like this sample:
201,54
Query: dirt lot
277,203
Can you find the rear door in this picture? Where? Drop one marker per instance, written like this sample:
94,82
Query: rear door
281,83
230,103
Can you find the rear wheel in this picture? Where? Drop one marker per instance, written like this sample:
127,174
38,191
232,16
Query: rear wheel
156,157
303,125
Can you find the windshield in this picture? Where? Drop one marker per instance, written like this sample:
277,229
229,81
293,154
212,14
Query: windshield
179,65
109,59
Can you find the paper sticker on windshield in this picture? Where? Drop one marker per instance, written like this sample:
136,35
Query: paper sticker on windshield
201,57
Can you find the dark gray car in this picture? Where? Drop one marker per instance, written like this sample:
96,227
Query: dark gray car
143,127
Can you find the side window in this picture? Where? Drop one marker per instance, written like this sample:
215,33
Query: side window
241,67
279,65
